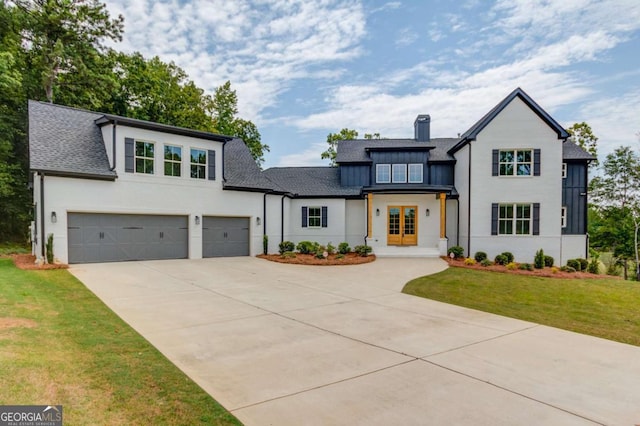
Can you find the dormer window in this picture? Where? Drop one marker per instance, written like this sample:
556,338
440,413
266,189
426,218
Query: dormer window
415,173
399,173
383,173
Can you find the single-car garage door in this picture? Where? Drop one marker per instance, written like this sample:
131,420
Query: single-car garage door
225,236
102,237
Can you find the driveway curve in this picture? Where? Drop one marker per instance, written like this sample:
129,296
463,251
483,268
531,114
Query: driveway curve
289,345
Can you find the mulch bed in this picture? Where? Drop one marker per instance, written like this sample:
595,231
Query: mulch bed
28,261
309,259
546,272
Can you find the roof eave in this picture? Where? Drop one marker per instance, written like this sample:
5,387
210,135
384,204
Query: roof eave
77,175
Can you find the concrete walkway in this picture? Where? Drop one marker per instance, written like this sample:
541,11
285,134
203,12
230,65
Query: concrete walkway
292,345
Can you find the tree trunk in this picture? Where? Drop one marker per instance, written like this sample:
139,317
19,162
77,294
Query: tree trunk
636,222
625,267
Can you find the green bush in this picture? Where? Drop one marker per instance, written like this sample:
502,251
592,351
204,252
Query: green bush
501,259
362,250
480,256
538,260
307,247
49,248
340,256
568,268
584,264
548,261
509,256
526,267
288,255
286,246
457,251
343,248
265,244
575,264
331,249
486,262
594,266
320,251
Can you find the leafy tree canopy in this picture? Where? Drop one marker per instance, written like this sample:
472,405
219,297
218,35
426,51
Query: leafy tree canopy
582,135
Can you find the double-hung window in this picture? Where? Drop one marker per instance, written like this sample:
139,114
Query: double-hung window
399,173
415,173
172,160
383,173
563,217
514,219
144,157
516,162
314,218
198,163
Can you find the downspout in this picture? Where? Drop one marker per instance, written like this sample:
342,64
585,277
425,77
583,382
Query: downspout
264,214
458,222
282,218
113,141
469,206
224,144
42,233
366,209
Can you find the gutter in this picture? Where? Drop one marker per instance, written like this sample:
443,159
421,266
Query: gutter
469,208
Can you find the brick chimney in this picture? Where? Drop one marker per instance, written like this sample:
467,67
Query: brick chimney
422,128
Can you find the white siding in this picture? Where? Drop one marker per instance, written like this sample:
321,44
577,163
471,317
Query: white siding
355,222
334,232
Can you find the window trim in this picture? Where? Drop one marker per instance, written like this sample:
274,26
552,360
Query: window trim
136,157
409,167
318,217
514,219
379,167
393,168
515,162
564,170
203,165
563,217
172,161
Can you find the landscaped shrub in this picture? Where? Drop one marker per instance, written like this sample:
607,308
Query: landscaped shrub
568,268
512,266
343,248
480,256
501,259
554,270
307,247
469,261
548,261
509,256
457,251
286,246
486,262
320,252
49,248
594,266
288,255
265,244
340,256
363,250
584,264
538,260
575,264
331,249
526,267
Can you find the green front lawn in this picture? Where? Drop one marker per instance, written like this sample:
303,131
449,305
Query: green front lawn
59,344
604,307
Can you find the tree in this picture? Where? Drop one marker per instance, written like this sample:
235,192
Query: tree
616,195
333,139
225,108
63,41
582,135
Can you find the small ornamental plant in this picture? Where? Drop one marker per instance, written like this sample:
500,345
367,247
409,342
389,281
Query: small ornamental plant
469,261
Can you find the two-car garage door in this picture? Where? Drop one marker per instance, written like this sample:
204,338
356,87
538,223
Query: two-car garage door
103,237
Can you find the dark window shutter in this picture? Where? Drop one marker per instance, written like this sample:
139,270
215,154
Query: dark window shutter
211,164
129,149
536,218
304,216
324,216
536,162
494,219
495,162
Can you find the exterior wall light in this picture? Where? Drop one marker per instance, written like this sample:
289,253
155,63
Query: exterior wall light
258,221
197,220
377,212
54,217
427,212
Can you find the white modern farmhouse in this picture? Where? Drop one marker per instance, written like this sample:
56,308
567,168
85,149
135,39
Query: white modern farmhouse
110,188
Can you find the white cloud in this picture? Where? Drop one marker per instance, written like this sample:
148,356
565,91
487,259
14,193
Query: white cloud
406,37
308,157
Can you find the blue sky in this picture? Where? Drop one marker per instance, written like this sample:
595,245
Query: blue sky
303,69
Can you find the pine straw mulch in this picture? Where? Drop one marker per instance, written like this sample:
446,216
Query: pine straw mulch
309,259
545,272
28,262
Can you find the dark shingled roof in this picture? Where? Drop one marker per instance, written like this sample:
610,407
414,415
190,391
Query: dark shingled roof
571,151
355,150
310,181
241,170
66,141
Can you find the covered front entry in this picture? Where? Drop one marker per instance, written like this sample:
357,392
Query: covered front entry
402,226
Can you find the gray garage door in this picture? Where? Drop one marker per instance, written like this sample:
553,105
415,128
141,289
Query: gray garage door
118,237
225,236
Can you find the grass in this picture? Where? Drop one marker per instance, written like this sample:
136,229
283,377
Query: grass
604,307
59,344
7,248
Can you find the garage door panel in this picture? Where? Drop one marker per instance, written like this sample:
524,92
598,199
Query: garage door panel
101,237
225,236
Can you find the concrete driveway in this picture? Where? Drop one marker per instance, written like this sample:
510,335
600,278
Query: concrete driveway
291,345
